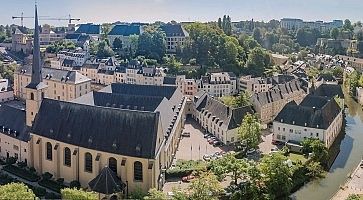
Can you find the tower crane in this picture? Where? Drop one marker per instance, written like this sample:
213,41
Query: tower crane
69,19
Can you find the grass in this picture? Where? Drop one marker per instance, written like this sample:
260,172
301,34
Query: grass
23,173
296,157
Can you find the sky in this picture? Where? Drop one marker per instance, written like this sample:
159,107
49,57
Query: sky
100,11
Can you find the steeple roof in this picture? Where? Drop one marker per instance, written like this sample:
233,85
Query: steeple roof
36,77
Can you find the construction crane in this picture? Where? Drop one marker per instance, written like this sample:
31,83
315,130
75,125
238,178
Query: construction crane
22,18
69,19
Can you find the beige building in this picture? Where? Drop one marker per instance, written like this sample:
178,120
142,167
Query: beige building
144,122
216,118
188,87
318,117
47,36
259,84
356,63
268,104
62,84
219,84
175,36
21,42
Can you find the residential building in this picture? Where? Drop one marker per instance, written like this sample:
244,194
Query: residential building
219,84
48,36
268,104
62,84
21,42
356,63
217,118
326,79
291,24
124,33
259,84
79,57
188,87
175,36
80,40
359,95
6,93
318,117
295,24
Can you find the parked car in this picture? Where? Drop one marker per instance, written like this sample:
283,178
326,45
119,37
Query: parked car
217,143
206,157
187,179
211,139
251,151
186,134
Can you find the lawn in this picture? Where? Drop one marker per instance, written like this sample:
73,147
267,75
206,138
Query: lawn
296,157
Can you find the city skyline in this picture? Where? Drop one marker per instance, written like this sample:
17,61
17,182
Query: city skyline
188,10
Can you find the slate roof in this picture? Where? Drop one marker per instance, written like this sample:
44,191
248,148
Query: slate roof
13,119
106,182
126,30
145,90
326,77
169,80
92,29
173,30
268,97
329,90
320,117
231,117
72,36
56,74
129,133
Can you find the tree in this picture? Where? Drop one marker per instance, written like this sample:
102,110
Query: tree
243,99
104,50
334,33
78,194
220,23
155,194
317,147
231,166
106,28
276,175
205,187
348,25
7,71
359,35
257,35
16,191
258,60
353,197
250,131
151,44
117,43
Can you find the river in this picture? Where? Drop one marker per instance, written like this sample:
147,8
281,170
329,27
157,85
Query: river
350,154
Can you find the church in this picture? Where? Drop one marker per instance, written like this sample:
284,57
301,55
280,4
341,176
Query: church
133,130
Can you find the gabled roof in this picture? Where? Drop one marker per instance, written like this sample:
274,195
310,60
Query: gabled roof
92,29
106,182
145,90
326,77
174,30
57,74
126,30
129,133
13,121
329,90
314,112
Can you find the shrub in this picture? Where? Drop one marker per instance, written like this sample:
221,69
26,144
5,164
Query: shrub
52,185
39,191
75,184
60,181
51,195
22,164
32,170
10,160
184,168
47,176
69,193
23,173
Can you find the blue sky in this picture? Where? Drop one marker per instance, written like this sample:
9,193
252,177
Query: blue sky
182,10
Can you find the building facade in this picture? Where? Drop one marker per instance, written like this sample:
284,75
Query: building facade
219,84
175,36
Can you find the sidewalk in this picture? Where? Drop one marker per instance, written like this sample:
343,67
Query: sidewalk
354,185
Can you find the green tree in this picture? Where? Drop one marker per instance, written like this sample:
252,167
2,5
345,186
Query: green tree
155,194
205,187
78,194
257,35
334,33
276,176
7,71
220,23
354,197
243,99
104,50
16,191
258,60
317,147
250,131
348,25
105,29
152,44
117,43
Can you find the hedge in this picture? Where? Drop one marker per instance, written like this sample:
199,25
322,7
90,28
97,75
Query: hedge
185,168
23,173
52,185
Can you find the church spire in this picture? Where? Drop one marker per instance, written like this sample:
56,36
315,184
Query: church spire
36,68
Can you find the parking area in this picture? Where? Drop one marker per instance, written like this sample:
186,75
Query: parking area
195,146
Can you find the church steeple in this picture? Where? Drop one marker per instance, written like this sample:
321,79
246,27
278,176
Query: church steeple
36,77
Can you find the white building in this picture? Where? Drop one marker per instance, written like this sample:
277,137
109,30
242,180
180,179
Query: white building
318,117
5,93
219,84
79,57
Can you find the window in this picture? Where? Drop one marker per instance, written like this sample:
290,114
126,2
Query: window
278,128
291,131
49,151
137,171
67,157
317,134
112,163
31,96
88,162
